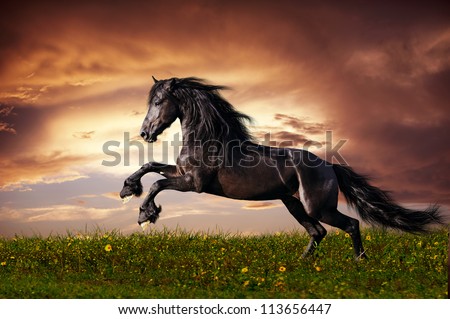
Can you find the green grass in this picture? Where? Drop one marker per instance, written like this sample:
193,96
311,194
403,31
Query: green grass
198,265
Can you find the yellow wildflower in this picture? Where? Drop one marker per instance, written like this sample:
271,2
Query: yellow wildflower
108,247
244,270
368,237
318,268
3,263
246,283
347,235
282,269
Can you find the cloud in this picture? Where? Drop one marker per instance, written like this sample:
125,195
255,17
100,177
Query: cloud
112,195
65,213
24,93
8,128
29,125
403,61
83,135
25,185
22,172
260,205
301,124
5,111
290,139
278,135
80,202
86,197
137,113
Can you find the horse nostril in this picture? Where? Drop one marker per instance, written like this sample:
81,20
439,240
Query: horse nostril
144,135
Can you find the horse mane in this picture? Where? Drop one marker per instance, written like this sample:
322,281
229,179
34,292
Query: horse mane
209,115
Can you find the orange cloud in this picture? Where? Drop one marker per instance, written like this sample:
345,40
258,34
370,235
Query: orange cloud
260,205
83,135
6,127
5,111
21,172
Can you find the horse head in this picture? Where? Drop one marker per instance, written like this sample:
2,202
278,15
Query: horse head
163,109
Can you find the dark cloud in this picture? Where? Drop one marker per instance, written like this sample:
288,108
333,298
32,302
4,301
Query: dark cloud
436,87
29,126
430,179
290,139
5,111
6,127
301,124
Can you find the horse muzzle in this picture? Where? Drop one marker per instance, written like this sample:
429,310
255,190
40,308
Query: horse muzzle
150,138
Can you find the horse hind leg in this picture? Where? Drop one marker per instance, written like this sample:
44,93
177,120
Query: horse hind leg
315,230
348,224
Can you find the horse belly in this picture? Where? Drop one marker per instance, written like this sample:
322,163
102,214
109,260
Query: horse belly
263,183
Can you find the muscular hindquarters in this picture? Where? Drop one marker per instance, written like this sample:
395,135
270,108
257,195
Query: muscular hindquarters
318,187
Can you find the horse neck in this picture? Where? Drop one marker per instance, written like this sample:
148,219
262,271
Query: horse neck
187,133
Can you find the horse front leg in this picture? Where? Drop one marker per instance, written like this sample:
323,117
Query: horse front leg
133,186
149,212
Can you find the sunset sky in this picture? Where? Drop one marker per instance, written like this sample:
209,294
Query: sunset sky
76,76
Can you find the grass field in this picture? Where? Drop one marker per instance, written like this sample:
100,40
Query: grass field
198,265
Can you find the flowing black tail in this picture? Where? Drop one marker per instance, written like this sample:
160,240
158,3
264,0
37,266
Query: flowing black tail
376,207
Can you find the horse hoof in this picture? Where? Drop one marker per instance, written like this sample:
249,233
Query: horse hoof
144,225
148,215
126,199
155,215
153,218
131,188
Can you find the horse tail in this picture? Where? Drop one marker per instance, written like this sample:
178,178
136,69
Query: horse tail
376,207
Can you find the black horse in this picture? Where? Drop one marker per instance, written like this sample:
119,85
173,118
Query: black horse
219,157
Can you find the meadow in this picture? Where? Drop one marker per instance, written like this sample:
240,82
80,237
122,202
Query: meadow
179,264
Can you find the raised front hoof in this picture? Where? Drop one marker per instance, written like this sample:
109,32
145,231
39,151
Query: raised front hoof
154,217
148,216
130,189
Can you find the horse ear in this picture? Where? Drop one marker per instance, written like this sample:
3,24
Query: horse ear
170,85
155,80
